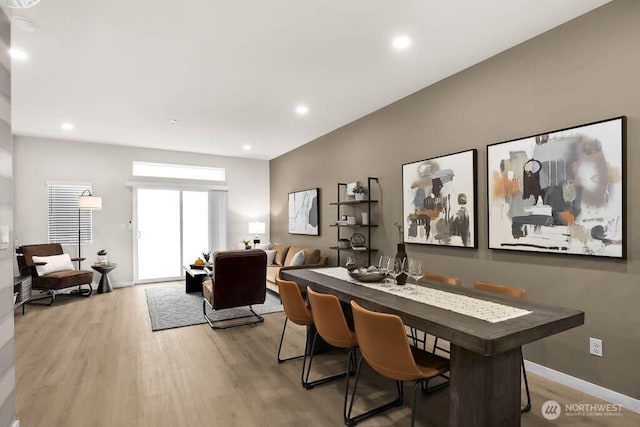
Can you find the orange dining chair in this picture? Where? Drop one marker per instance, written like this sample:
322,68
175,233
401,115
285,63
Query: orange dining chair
332,327
383,344
515,293
296,310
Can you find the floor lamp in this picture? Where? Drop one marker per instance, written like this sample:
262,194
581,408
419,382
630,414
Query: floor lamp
86,202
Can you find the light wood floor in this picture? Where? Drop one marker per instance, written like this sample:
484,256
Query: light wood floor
95,362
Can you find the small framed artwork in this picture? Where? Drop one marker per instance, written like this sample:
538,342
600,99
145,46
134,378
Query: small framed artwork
439,200
560,192
303,214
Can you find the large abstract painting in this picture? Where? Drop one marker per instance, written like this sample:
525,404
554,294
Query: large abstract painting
303,212
559,192
439,200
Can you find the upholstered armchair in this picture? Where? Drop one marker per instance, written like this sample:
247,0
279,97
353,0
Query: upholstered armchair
238,279
52,270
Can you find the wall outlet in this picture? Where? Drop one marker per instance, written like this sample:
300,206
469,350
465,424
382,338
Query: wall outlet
595,347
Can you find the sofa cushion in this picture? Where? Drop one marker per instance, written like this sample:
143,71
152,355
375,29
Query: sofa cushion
281,253
298,259
53,263
271,255
311,256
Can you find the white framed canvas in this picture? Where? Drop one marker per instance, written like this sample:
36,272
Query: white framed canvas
303,212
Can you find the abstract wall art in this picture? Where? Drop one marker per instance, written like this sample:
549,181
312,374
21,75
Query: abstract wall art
560,192
303,212
439,200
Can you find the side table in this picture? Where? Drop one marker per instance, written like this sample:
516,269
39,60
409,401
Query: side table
105,285
193,278
22,291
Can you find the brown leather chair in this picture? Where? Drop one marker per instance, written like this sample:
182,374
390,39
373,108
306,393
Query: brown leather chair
384,346
55,281
516,293
331,325
238,279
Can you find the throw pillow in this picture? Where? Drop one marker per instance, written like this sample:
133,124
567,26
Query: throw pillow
271,255
263,246
53,263
298,258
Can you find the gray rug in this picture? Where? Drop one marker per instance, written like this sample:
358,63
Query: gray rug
170,307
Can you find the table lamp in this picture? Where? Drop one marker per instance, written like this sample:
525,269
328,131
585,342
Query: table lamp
256,228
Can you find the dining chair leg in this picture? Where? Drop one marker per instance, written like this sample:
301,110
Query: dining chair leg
527,408
352,421
280,360
311,384
351,365
413,403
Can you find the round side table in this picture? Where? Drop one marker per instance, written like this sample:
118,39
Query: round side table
105,285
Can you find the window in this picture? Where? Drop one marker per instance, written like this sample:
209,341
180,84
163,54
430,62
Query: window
63,214
165,170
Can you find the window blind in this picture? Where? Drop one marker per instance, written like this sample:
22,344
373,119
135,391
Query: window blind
63,214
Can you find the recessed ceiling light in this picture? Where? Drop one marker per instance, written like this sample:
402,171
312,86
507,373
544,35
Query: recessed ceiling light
173,121
17,54
302,110
246,147
401,42
67,126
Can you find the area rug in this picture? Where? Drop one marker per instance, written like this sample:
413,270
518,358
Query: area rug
171,307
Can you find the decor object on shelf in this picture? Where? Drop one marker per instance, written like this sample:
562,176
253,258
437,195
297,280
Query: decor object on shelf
358,240
349,188
89,202
344,243
257,228
560,192
439,200
360,192
303,212
365,218
102,256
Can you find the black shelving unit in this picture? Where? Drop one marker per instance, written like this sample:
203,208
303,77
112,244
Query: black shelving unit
342,187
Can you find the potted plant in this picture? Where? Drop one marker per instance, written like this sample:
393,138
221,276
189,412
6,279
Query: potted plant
360,191
206,256
102,256
246,243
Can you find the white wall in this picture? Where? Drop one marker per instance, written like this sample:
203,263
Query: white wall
108,168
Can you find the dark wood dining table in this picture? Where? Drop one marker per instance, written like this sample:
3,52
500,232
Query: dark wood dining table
485,357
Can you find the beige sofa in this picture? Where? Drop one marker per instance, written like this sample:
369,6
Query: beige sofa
282,261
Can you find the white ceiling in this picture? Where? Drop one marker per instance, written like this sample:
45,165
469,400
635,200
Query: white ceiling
231,72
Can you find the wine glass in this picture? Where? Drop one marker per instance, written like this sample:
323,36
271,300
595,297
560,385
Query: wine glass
399,267
383,266
415,269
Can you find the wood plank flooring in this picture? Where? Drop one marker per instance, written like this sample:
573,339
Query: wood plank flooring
95,362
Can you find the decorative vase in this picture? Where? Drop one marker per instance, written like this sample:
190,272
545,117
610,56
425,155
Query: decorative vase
399,263
360,196
102,259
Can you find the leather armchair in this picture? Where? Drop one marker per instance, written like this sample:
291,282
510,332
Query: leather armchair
238,279
54,281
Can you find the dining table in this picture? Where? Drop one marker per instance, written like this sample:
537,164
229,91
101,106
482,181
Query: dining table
486,333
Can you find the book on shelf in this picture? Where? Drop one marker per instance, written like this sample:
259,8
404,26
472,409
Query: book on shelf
359,248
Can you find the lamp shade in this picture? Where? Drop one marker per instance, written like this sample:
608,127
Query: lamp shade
257,227
92,203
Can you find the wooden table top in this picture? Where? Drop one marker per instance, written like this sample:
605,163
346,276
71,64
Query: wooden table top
467,332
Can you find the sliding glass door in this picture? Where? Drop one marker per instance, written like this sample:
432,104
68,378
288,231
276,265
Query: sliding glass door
173,227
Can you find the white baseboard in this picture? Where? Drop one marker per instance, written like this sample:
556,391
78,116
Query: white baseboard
15,423
584,386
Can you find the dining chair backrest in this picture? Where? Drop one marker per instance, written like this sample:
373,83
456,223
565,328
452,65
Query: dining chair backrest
383,344
500,289
447,280
329,319
292,302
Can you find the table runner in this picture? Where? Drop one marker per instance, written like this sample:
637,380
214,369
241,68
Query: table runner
489,311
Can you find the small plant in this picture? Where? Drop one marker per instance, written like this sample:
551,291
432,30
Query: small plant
206,256
359,189
246,243
102,252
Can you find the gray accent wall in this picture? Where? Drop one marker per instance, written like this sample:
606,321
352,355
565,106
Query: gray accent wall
583,71
7,343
